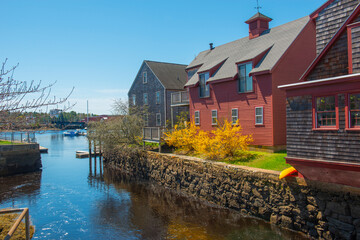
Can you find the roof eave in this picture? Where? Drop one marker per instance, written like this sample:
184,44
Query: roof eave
320,82
331,42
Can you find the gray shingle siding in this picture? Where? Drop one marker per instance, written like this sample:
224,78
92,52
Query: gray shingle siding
151,87
330,20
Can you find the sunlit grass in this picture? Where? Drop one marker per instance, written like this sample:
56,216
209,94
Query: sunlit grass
270,161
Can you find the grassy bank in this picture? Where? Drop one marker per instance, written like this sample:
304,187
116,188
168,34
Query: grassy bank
7,221
3,142
270,161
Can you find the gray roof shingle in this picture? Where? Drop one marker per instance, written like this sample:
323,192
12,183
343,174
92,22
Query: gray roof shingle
171,75
275,41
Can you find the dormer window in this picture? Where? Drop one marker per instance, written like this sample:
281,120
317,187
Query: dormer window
204,90
245,81
144,77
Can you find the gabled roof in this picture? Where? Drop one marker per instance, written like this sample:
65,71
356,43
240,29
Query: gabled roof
343,28
171,75
258,15
315,14
275,41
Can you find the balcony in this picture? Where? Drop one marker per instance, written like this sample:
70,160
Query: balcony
152,134
179,98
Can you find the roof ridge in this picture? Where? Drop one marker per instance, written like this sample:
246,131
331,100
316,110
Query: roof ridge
247,37
165,62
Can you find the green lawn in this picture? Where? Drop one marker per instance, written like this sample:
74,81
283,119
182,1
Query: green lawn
270,161
3,142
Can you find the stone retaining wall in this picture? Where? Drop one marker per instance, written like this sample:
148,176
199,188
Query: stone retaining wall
320,210
19,158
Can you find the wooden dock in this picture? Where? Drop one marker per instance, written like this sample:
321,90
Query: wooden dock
43,149
85,154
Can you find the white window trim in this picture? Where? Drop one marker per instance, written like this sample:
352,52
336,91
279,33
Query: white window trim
237,115
145,77
262,116
198,112
214,124
158,114
147,98
156,98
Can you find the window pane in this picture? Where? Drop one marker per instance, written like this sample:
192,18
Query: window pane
325,103
259,120
325,107
249,83
234,112
245,81
355,118
204,88
354,101
258,111
214,113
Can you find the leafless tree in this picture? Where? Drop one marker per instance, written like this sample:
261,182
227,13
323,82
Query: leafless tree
125,128
20,96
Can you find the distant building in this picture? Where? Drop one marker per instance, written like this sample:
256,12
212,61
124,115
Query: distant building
238,80
98,118
159,86
323,107
55,113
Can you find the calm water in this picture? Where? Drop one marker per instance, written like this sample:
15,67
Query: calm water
67,200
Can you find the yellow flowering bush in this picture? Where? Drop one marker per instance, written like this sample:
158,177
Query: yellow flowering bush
182,138
223,142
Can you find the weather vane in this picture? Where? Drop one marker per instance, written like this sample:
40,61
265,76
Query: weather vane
257,7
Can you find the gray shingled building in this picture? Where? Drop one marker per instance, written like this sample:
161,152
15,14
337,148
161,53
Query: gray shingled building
160,87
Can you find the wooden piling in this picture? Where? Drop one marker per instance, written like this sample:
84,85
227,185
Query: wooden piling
90,149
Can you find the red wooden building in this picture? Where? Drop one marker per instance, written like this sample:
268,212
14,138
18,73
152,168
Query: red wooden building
323,108
240,79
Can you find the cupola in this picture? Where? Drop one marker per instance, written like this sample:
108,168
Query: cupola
258,24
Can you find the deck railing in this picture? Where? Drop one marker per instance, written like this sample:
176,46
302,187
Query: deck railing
179,98
24,214
152,133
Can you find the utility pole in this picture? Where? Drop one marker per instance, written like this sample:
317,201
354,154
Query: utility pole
87,111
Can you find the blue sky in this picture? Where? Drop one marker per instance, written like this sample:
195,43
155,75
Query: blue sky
97,46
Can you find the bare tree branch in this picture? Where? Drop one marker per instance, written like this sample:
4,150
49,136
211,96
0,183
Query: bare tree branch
13,94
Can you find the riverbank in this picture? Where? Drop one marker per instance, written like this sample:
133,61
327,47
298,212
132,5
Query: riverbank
320,210
7,221
19,158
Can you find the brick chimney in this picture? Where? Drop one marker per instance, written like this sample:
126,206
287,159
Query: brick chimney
257,25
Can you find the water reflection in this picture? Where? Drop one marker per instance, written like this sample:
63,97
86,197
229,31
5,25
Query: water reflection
20,186
81,199
158,213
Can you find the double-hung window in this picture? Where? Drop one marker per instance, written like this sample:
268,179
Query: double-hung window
158,119
144,77
325,112
214,120
158,97
245,81
197,117
204,90
259,115
234,115
354,110
145,99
